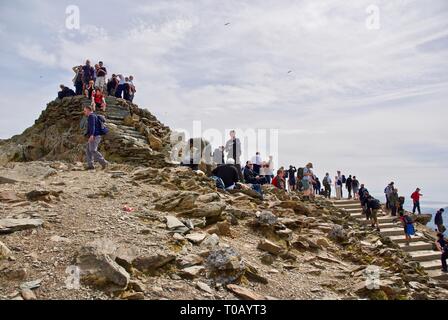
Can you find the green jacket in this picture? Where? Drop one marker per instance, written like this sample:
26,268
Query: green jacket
393,199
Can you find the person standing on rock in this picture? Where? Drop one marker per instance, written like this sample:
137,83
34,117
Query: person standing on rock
387,192
316,185
133,90
327,185
442,246
415,196
307,181
101,72
355,188
77,80
233,149
393,202
218,156
112,85
88,73
348,185
292,178
438,221
338,187
120,87
256,160
93,133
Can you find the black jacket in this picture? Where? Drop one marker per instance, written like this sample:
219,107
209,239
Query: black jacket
228,173
249,175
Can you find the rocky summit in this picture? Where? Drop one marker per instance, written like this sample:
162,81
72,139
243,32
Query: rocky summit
146,229
135,135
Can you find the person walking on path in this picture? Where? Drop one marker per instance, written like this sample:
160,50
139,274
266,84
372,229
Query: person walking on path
442,246
408,226
348,185
438,221
233,149
355,187
327,185
393,202
387,192
94,133
374,205
415,196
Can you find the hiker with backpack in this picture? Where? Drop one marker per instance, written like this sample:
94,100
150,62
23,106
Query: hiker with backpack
415,196
355,188
408,225
95,129
307,181
438,220
327,185
364,196
442,246
374,205
348,185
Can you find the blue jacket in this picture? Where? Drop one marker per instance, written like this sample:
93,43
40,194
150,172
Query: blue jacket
92,126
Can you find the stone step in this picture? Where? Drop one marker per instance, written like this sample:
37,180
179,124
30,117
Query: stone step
115,117
425,255
387,225
415,246
347,205
392,232
401,239
438,275
431,265
381,220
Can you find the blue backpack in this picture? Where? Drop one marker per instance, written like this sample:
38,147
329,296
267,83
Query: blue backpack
219,183
101,123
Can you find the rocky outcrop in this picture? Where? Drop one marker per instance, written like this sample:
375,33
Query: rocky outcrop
135,136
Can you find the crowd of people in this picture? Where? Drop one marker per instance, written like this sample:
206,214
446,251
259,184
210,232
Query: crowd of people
91,82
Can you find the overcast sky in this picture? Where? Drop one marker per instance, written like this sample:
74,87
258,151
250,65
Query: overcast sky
369,101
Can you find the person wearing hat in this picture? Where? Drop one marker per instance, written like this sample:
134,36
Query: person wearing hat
438,220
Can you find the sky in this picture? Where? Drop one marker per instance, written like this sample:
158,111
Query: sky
359,86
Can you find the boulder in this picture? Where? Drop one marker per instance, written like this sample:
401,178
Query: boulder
244,293
224,265
151,262
10,197
10,225
4,251
175,225
98,268
196,238
192,272
177,201
189,260
207,210
266,218
271,247
211,241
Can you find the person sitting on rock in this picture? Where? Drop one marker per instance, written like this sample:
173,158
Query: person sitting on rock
279,180
228,173
442,246
98,99
65,92
250,176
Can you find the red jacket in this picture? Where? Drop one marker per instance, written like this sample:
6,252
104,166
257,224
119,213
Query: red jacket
415,196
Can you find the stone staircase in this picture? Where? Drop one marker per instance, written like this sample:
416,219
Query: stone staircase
420,249
127,141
